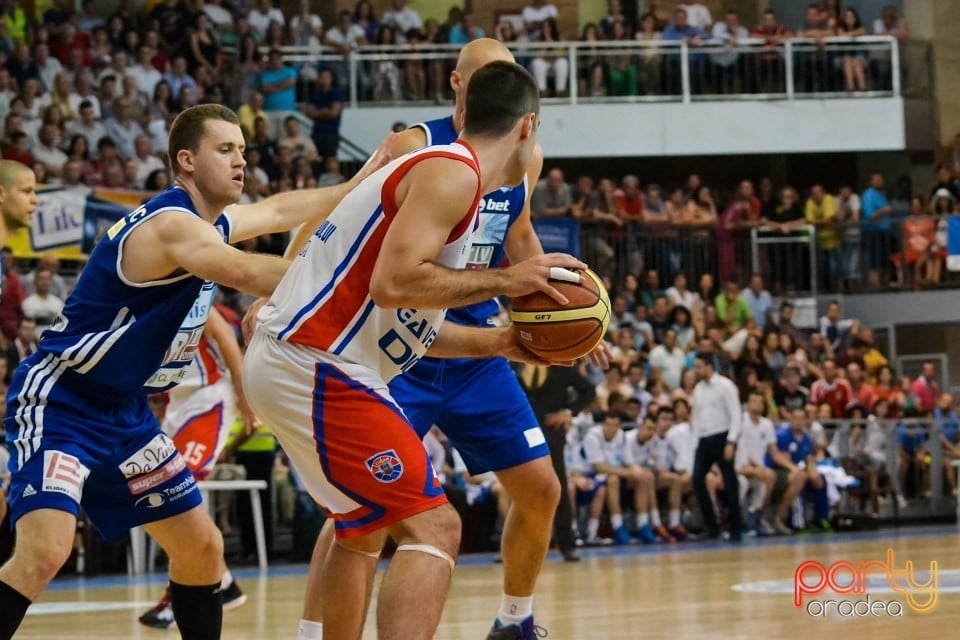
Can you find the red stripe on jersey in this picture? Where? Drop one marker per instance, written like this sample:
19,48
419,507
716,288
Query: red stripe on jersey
388,193
331,319
208,361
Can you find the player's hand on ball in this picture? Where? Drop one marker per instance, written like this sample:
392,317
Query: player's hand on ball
601,356
508,345
534,274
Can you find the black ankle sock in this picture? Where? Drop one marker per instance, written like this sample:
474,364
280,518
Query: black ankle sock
14,605
197,610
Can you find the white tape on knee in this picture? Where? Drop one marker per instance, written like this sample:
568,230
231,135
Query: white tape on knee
430,550
370,554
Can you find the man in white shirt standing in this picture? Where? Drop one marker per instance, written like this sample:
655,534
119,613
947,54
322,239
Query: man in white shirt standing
716,425
535,14
755,478
402,18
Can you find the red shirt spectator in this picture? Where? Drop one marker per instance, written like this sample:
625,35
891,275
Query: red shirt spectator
863,393
629,199
925,390
832,390
11,299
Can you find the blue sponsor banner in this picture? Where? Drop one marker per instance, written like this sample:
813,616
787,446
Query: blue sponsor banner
558,235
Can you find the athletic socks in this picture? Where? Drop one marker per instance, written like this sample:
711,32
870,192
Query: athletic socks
616,521
593,526
310,630
643,519
14,606
674,518
655,518
198,610
514,610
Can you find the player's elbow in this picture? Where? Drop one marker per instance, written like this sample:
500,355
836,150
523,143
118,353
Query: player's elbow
386,291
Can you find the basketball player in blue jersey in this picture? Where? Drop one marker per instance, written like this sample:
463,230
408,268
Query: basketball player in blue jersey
492,431
78,422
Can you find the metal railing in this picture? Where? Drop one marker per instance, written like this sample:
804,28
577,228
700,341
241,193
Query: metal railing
639,70
909,253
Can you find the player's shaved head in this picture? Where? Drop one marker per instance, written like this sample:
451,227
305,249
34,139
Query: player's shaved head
11,171
479,52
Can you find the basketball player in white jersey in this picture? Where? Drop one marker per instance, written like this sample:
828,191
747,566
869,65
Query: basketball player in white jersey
198,417
362,304
499,434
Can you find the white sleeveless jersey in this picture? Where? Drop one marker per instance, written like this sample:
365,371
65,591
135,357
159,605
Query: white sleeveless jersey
323,301
206,369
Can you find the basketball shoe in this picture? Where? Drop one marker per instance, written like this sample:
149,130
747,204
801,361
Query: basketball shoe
526,630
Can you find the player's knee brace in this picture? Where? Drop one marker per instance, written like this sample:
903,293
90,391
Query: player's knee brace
430,550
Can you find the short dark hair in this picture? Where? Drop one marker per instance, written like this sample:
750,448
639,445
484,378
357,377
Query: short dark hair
190,126
706,358
499,94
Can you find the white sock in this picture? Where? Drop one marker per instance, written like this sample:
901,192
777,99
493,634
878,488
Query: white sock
514,610
226,580
616,521
643,520
655,518
674,518
593,525
310,630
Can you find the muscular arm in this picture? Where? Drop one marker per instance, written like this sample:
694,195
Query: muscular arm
429,209
522,241
181,240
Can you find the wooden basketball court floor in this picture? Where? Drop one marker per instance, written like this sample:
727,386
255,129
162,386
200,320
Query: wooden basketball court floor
691,591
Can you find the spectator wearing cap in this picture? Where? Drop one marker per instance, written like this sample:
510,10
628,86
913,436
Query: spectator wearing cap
278,83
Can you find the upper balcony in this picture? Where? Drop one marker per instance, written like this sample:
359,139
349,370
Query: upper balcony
659,98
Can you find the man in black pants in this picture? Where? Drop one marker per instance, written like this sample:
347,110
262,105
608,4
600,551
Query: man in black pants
716,425
557,394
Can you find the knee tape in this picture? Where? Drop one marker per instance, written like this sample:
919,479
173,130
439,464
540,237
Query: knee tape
430,550
370,554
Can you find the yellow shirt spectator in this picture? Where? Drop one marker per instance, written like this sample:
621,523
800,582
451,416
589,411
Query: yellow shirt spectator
821,208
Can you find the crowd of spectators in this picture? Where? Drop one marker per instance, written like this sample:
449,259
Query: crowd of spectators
865,237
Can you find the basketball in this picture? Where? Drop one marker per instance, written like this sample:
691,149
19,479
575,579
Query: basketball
559,333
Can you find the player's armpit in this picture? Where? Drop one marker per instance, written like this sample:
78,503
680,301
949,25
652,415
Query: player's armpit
197,247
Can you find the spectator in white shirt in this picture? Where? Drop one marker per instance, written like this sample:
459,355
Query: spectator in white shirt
667,360
123,129
47,151
47,66
535,14
698,15
261,17
83,92
835,330
716,425
146,74
755,477
402,18
42,307
678,294
58,286
146,162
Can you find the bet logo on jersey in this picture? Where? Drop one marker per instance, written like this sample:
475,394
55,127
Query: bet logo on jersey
385,466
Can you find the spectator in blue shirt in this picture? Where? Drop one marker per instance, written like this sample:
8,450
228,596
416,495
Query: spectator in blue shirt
465,31
325,108
875,223
278,84
682,30
949,424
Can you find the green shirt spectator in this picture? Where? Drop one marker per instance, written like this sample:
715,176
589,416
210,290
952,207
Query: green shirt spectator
732,310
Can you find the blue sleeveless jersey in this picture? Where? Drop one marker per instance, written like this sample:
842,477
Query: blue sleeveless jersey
498,210
115,337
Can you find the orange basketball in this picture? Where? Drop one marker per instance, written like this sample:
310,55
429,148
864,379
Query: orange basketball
558,333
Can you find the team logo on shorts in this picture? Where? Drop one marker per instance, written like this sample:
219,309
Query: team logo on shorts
385,466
